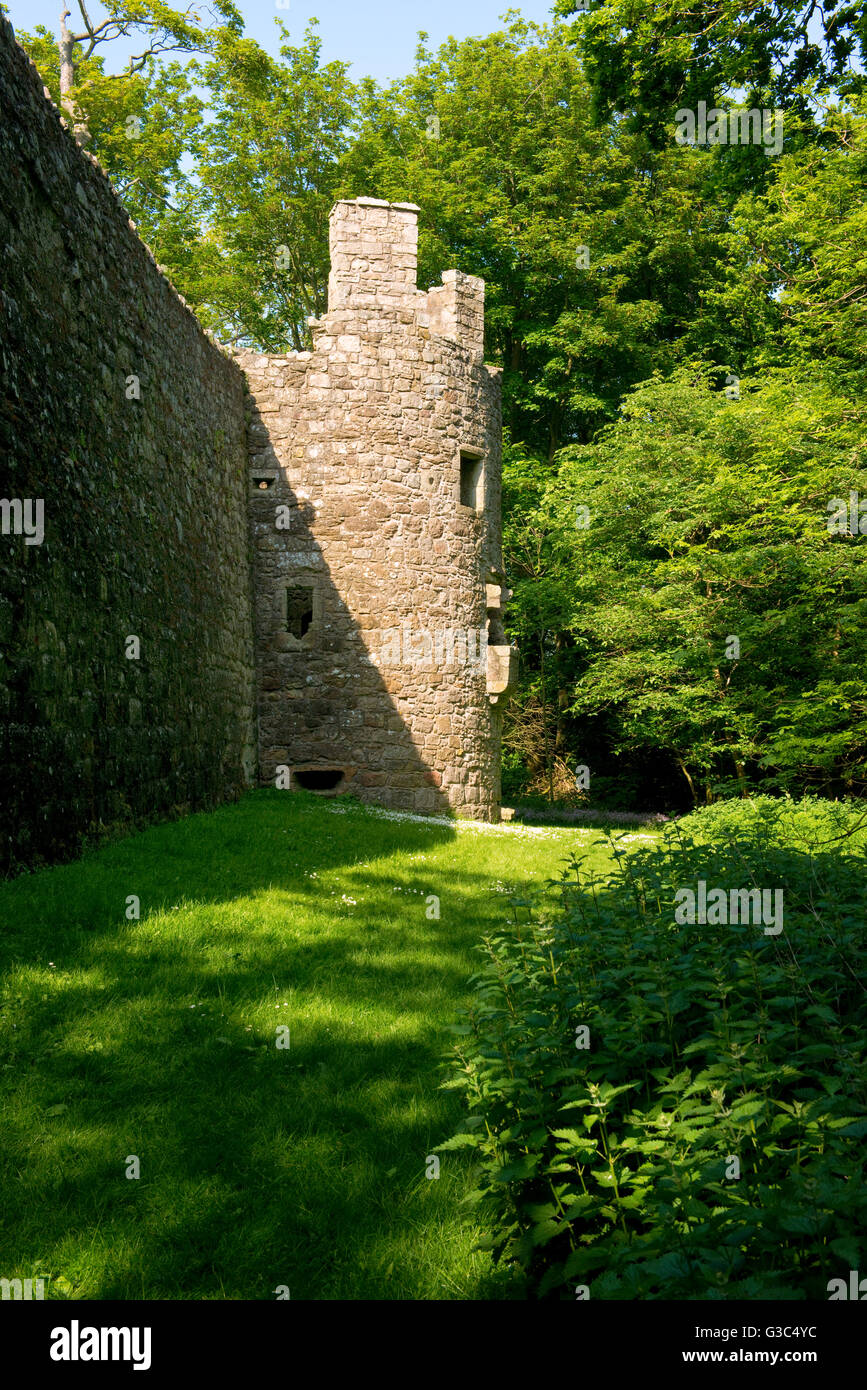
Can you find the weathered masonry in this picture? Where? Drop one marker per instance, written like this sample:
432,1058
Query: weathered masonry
375,504
126,422
292,577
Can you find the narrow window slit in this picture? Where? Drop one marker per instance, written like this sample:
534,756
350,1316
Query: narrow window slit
471,480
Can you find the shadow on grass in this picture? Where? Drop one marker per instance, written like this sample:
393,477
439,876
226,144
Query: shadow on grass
261,1165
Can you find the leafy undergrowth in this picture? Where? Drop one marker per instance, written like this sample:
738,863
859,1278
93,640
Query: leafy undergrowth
156,1038
667,1110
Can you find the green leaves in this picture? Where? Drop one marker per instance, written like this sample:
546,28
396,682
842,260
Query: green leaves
691,600
650,57
728,1171
269,170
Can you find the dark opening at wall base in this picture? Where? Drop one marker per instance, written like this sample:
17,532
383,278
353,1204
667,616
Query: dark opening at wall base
319,779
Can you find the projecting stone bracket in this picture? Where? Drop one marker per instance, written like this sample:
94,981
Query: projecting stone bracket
502,673
496,596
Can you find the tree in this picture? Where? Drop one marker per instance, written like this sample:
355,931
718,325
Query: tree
268,165
165,29
717,616
139,123
649,57
795,287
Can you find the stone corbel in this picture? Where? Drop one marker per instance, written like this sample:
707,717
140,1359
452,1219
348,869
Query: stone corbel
502,671
502,668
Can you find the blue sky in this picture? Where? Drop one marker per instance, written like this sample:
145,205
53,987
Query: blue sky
378,37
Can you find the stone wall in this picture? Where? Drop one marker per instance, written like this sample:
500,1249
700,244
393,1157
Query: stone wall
147,646
377,587
126,421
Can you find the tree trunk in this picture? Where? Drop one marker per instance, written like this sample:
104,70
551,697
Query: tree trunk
549,751
682,765
555,420
67,70
563,642
66,46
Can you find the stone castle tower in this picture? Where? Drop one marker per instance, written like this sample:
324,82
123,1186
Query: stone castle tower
375,512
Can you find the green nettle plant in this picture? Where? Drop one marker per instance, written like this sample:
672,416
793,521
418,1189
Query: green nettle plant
668,1111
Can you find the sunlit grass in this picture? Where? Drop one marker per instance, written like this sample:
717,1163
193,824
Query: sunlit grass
157,1038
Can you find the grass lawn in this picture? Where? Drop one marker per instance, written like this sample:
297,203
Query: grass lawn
261,1166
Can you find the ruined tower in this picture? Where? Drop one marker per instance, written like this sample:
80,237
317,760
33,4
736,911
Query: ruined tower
375,516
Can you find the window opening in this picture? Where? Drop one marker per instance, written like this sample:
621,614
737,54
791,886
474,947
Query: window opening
299,611
471,478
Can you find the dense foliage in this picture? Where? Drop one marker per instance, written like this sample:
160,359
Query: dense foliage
652,55
615,1064
715,623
